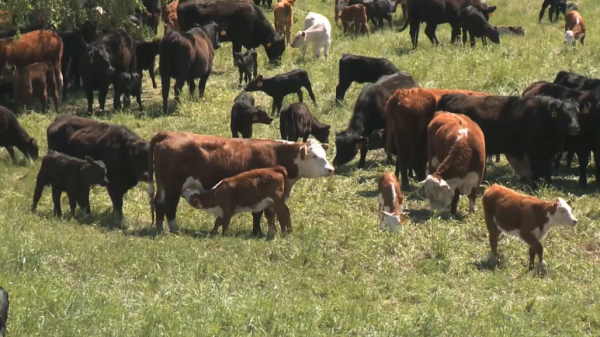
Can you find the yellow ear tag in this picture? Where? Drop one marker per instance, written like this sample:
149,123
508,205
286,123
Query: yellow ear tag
554,114
491,14
403,220
255,119
223,33
259,84
269,45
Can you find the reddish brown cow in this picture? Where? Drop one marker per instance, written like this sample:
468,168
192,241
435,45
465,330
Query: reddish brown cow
390,203
34,80
355,16
36,46
408,113
456,154
200,162
169,15
523,216
574,28
251,191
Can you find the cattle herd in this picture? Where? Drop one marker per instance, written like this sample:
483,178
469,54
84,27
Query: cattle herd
441,137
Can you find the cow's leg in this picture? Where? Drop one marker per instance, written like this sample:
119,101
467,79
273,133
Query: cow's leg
102,97
218,222
535,248
389,19
273,107
241,77
308,87
225,223
570,158
340,90
363,157
179,81
191,86
277,102
430,32
304,50
159,208
317,50
11,152
55,98
454,203
202,85
171,202
83,199
415,26
472,38
464,36
558,158
551,12
283,216
270,216
56,193
583,157
326,50
256,223
117,97
90,99
116,196
37,193
494,233
472,197
300,95
138,99
544,6
44,100
152,76
72,201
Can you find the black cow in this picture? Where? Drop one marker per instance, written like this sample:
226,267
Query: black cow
4,304
186,56
264,2
145,57
243,24
123,152
281,85
555,6
436,12
534,127
74,46
296,121
577,81
103,61
377,10
13,135
368,116
588,139
519,31
129,84
247,64
473,22
361,69
244,114
69,174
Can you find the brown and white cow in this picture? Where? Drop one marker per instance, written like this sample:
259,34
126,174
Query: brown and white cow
390,203
456,154
574,28
251,191
200,162
523,216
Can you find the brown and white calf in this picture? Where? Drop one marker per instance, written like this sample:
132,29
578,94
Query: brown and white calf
456,154
523,216
390,203
574,28
251,191
355,17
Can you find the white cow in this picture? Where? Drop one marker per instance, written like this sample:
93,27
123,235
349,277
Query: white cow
317,31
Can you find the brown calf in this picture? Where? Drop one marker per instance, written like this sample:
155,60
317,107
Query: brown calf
390,203
169,15
251,191
35,80
355,16
574,28
284,18
296,121
408,112
523,216
456,154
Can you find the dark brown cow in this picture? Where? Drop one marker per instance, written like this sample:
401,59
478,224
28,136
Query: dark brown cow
169,15
34,80
355,16
13,135
200,162
296,121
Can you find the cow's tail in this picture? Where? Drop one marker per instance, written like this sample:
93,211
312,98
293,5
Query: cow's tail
288,11
156,139
406,15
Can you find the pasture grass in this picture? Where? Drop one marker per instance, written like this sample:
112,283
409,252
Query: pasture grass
336,274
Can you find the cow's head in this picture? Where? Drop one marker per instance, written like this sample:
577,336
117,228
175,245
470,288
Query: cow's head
8,73
563,116
99,60
93,172
493,34
137,155
517,30
561,214
395,221
32,149
312,160
259,115
299,40
275,48
322,134
256,84
347,145
486,11
212,31
238,59
438,192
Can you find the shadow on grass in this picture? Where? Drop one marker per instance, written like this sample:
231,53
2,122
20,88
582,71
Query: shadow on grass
419,215
491,263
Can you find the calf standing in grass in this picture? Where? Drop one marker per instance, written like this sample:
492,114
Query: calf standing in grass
146,55
390,203
574,28
284,18
317,31
69,174
456,153
251,191
523,216
247,64
281,85
12,134
355,16
34,80
296,121
129,84
473,22
244,114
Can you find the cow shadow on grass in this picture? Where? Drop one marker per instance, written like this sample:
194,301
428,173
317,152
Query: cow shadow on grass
490,263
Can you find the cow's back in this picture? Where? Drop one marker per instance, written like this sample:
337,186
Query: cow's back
36,46
60,130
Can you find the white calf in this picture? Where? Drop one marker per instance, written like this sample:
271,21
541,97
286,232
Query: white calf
317,31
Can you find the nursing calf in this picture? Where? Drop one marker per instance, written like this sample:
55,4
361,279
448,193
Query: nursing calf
244,114
296,121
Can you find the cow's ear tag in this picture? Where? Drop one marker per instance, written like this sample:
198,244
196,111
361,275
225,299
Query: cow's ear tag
255,118
554,114
269,45
491,14
223,33
259,84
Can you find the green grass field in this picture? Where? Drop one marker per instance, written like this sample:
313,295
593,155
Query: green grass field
336,274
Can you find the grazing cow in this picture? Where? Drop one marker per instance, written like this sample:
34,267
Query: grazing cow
588,138
473,22
523,216
436,12
355,17
34,80
252,191
368,116
4,303
68,174
73,47
296,121
129,84
577,81
103,61
284,18
317,31
12,135
377,10
361,69
408,112
244,114
574,28
572,7
37,46
555,6
520,127
169,15
123,152
456,154
145,56
281,85
186,56
247,64
244,24
519,31
179,157
390,203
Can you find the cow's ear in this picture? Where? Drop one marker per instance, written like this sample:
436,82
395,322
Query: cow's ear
89,159
254,116
491,10
303,152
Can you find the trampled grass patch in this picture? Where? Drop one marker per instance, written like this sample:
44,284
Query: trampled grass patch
336,274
